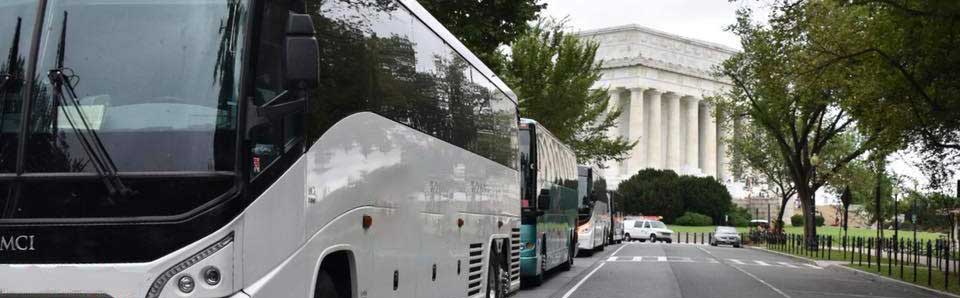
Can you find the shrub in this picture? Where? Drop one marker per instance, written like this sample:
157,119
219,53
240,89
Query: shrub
693,219
819,221
739,217
796,220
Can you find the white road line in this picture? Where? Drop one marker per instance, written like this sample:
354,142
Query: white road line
638,259
763,282
761,263
575,287
812,266
612,259
788,265
750,275
739,262
621,247
661,259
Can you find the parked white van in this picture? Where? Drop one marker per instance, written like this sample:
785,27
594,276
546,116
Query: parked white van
643,229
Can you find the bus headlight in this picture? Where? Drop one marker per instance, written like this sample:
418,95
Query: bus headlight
584,228
184,285
211,275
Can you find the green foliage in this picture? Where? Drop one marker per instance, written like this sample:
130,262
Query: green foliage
860,177
929,210
804,110
739,217
485,25
819,220
664,193
694,220
905,66
796,220
553,74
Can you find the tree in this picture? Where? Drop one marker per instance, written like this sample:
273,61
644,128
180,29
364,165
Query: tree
553,74
806,110
486,25
753,150
908,66
846,198
664,193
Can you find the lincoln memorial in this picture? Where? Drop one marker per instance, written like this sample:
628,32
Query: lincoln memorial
660,81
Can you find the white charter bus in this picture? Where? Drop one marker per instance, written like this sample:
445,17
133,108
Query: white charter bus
593,215
251,148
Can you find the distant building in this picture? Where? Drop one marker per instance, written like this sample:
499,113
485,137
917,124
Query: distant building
660,80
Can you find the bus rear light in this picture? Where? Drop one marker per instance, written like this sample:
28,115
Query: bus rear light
367,221
460,222
525,203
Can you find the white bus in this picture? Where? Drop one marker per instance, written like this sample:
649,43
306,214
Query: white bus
251,148
593,220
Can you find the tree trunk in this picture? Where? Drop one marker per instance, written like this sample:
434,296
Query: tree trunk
783,205
808,201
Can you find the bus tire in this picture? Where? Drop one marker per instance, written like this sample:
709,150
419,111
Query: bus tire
495,285
325,288
627,236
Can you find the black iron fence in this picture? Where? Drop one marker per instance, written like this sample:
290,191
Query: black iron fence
906,259
896,257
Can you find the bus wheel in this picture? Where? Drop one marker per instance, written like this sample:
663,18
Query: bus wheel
325,286
494,285
627,236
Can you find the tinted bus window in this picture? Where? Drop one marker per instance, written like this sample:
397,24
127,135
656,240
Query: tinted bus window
377,57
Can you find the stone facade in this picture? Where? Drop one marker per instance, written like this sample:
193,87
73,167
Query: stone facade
660,81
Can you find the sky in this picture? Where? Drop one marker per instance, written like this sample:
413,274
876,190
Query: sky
697,19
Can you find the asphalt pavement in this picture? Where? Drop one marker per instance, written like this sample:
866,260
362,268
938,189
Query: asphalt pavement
686,270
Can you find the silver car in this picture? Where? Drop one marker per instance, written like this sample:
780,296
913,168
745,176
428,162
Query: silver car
726,235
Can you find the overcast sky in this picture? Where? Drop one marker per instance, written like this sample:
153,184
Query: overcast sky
698,19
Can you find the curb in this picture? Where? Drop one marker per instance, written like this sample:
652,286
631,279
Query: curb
926,289
864,273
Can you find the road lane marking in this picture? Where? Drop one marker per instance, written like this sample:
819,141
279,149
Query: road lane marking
751,275
621,247
788,265
612,259
739,262
577,286
761,263
812,266
638,259
661,259
761,281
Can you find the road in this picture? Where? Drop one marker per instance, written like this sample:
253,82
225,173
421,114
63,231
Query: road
685,270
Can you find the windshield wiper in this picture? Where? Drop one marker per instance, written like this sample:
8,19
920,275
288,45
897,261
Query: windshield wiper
9,76
60,79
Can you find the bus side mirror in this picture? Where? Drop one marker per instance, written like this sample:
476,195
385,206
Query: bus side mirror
543,200
302,52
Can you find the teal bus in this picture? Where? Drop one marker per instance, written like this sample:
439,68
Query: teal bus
549,203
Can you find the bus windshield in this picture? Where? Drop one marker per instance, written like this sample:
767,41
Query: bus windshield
154,83
161,97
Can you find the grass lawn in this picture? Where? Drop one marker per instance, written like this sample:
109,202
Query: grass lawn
937,277
834,231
